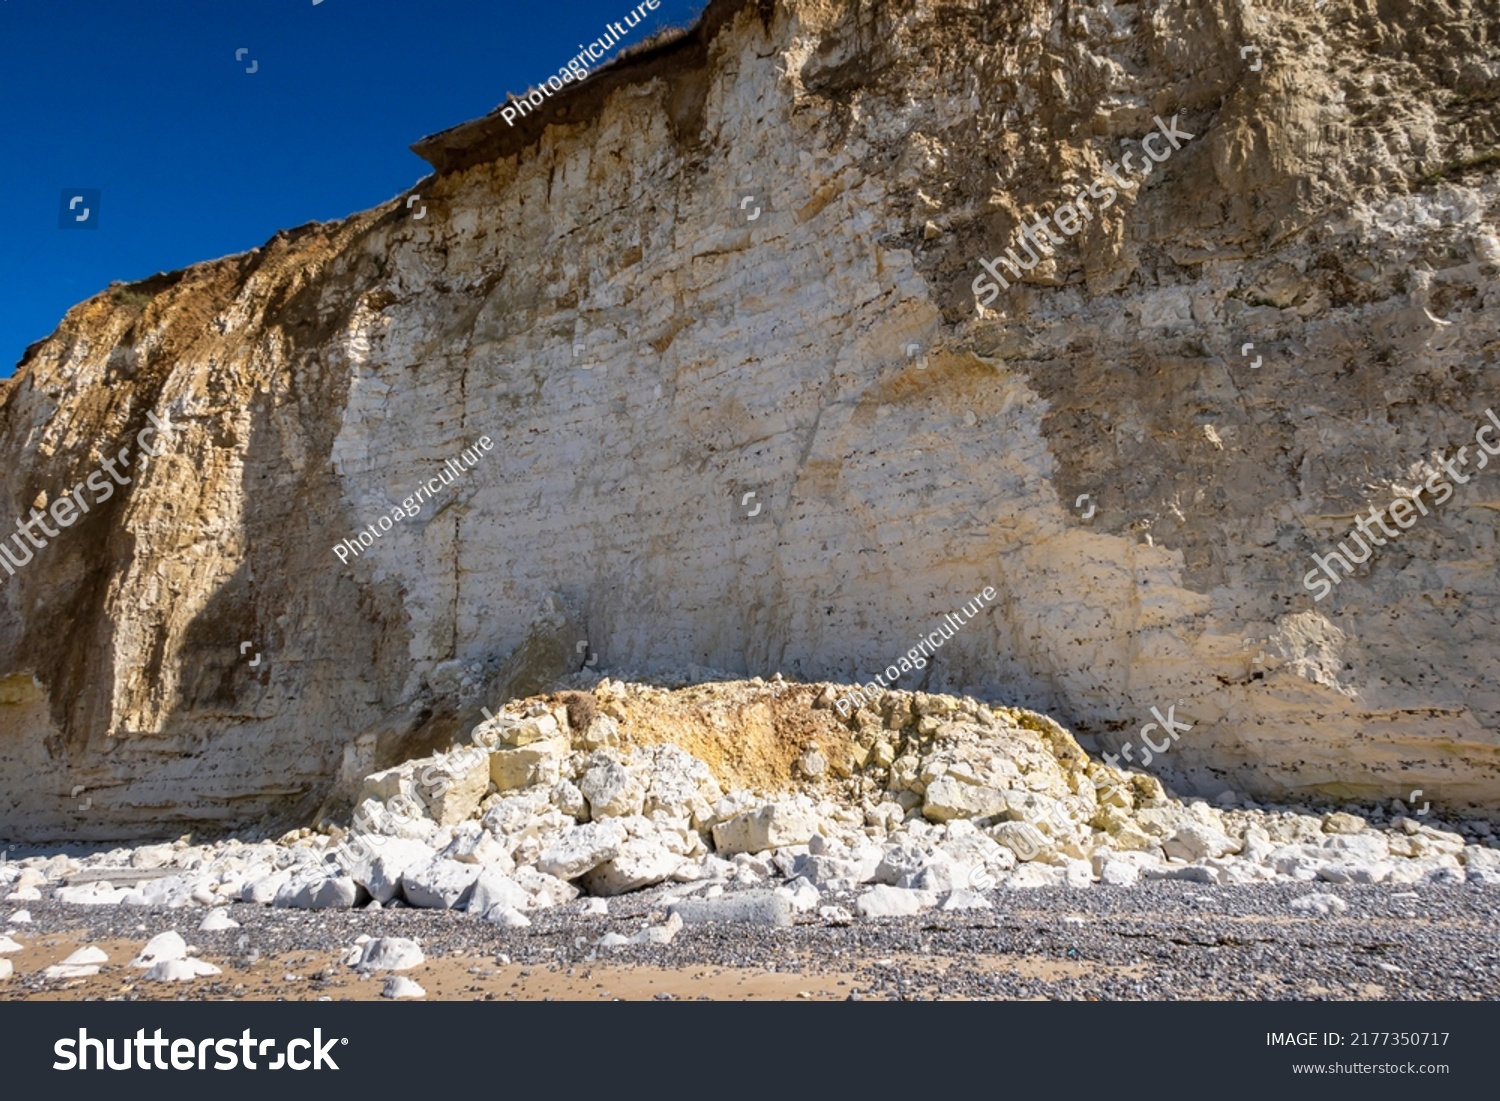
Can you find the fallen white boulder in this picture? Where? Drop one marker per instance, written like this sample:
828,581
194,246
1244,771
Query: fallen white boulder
883,901
399,986
182,970
507,917
390,954
163,946
1320,904
582,849
217,921
439,883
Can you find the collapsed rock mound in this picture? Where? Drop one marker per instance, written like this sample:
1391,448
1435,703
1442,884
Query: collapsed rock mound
908,801
632,785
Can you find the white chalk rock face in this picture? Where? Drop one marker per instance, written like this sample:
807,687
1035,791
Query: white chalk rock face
390,954
439,883
174,892
829,872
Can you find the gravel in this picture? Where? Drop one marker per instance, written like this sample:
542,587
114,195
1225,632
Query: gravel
1161,940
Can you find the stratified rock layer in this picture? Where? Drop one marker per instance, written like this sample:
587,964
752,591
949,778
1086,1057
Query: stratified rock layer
591,292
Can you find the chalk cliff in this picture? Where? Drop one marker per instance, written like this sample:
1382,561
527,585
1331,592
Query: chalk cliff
740,261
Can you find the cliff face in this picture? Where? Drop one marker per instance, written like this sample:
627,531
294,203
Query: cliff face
594,292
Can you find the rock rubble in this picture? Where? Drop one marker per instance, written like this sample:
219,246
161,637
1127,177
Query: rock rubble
929,802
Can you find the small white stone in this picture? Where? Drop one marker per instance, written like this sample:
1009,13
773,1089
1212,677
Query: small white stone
802,895
7,946
70,971
216,922
391,954
964,899
6,969
507,917
399,986
20,917
883,901
182,970
660,934
1322,904
84,956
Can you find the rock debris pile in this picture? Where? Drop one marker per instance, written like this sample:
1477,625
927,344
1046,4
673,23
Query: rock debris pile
787,813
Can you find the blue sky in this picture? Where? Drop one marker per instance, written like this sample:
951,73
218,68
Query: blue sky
195,158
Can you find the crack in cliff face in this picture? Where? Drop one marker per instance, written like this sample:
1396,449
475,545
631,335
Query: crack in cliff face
1335,208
